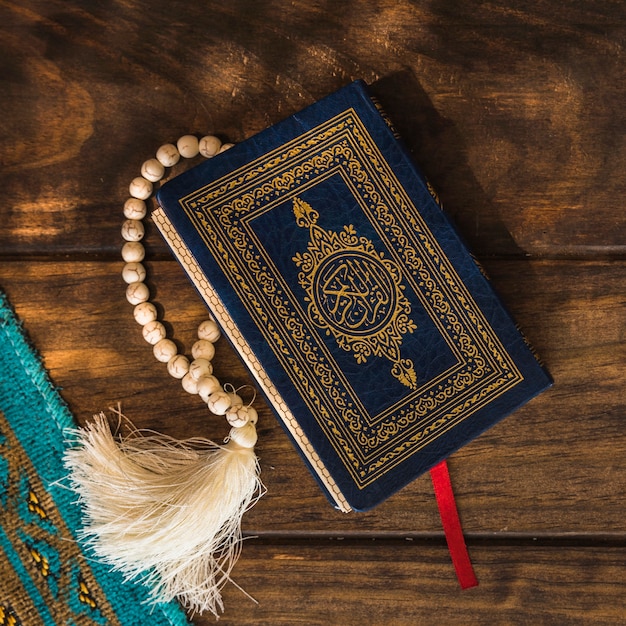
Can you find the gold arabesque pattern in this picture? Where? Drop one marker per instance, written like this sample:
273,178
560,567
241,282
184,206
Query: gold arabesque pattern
369,445
354,293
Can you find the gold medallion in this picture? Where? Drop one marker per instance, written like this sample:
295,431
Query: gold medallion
354,293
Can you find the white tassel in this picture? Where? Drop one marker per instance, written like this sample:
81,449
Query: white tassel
164,511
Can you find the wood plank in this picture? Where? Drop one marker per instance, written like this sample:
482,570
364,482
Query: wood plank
511,111
525,476
355,584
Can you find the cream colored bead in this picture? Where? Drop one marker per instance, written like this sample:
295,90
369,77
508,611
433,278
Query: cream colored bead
164,350
199,368
145,312
209,146
133,252
168,155
203,349
133,273
153,332
188,146
208,385
132,230
246,436
137,292
140,188
135,209
189,384
219,402
178,366
236,402
253,416
152,170
209,330
237,418
196,377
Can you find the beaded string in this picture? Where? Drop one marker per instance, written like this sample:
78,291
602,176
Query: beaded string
197,375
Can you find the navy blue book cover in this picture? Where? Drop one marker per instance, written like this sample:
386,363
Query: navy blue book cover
326,259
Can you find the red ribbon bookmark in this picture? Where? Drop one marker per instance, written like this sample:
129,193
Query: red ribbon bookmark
452,526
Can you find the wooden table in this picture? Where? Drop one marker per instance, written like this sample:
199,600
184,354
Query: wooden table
515,111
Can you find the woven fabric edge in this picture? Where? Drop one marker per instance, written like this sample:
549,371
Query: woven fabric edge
57,409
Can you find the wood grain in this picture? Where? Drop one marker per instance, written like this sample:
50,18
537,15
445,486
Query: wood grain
516,113
404,584
512,114
526,475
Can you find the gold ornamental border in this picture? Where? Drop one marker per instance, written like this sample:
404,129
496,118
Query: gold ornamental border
223,213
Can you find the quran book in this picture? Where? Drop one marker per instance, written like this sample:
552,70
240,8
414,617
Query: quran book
324,255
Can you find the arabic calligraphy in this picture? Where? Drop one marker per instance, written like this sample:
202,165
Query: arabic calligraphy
354,293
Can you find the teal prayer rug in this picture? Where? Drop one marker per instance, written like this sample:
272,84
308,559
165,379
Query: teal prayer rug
46,576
